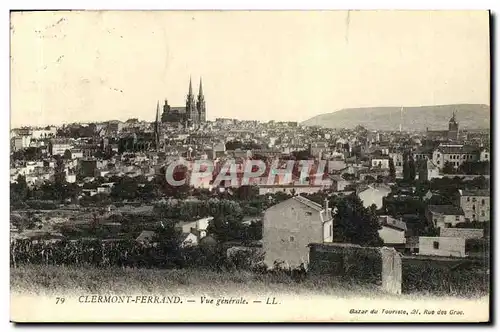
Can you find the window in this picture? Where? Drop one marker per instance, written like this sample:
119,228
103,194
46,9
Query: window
457,218
473,217
482,213
436,245
438,155
292,238
486,156
473,199
465,157
308,213
474,207
468,199
437,162
447,225
482,201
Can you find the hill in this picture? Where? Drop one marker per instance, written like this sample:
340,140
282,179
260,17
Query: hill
469,116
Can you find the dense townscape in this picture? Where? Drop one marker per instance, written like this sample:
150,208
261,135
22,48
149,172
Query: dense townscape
97,193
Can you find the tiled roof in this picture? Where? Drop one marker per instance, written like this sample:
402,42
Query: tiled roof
446,210
146,236
478,192
308,202
458,149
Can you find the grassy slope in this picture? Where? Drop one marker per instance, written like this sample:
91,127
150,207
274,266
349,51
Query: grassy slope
50,280
53,279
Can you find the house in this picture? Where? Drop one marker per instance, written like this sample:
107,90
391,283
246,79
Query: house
337,166
442,246
317,149
202,225
380,162
146,237
290,226
422,153
475,204
398,159
429,171
456,154
484,155
57,146
393,231
189,239
443,216
374,194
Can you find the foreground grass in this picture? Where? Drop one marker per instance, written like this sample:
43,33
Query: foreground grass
50,280
37,279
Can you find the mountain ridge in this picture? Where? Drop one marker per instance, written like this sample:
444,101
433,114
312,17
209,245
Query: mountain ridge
417,118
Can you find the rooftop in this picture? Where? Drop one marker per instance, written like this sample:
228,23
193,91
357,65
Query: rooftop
308,202
477,192
446,210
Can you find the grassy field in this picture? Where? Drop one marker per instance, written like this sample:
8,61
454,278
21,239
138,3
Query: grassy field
37,279
50,280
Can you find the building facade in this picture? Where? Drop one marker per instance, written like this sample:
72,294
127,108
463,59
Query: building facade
456,154
445,216
475,204
441,246
290,226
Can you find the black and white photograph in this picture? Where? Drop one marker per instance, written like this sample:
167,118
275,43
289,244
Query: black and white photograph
250,166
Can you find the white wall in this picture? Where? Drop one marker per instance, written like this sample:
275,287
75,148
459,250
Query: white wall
448,246
391,235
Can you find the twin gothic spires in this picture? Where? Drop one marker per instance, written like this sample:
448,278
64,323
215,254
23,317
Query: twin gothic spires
196,110
200,93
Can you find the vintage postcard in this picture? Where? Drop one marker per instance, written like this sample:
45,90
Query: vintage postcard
250,166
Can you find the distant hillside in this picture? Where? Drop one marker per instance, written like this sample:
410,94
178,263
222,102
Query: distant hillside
469,116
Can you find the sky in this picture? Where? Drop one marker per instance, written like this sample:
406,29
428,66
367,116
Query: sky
256,65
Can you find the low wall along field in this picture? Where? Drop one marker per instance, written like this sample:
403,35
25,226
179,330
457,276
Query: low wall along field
445,276
380,269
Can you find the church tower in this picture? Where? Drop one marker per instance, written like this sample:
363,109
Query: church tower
453,128
200,105
157,127
191,111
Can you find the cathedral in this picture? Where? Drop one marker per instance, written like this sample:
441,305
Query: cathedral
194,113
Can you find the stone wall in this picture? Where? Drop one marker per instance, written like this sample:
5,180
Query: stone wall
465,233
380,266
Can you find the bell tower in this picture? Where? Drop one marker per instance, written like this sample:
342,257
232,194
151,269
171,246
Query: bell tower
191,111
200,105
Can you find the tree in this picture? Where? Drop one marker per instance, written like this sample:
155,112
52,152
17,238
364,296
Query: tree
67,154
168,238
448,168
411,168
406,167
392,169
475,167
353,223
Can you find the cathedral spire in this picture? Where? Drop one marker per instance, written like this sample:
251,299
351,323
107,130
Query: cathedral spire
190,87
157,126
201,88
157,120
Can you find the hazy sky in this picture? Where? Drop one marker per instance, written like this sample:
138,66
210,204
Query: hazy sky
93,66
